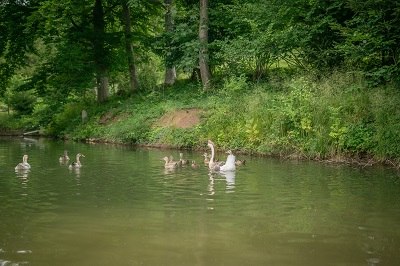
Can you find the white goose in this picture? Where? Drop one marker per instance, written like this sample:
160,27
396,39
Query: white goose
217,166
24,165
76,164
230,163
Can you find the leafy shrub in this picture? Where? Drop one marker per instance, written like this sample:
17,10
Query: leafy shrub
386,115
359,138
235,84
22,102
68,119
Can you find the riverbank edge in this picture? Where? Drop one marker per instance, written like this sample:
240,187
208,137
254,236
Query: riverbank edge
349,159
354,160
11,133
293,120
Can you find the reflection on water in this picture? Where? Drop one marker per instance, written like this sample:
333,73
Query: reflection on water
64,162
22,173
228,177
230,180
75,171
124,208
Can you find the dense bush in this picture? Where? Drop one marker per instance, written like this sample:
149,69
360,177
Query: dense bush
22,102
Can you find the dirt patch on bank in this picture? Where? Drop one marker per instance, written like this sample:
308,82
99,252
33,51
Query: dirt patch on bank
184,118
111,117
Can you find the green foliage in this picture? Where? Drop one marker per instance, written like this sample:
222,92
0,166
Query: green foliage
318,69
337,130
371,39
177,137
359,139
234,84
22,102
253,131
67,119
304,117
386,118
149,76
130,131
17,37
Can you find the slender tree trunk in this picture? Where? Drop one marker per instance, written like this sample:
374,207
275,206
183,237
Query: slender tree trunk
134,83
195,76
100,53
102,85
170,71
203,52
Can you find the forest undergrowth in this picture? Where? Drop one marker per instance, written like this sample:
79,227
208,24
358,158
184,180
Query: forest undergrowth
336,119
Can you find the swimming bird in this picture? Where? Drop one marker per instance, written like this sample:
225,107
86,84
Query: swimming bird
24,165
64,157
168,164
76,164
240,162
230,162
171,160
212,165
194,165
206,160
183,161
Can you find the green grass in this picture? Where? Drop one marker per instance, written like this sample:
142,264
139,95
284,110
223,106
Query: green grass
301,117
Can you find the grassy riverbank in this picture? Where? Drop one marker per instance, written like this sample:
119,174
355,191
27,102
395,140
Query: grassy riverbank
333,118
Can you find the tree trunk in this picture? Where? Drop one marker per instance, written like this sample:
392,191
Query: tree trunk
102,85
134,83
195,76
100,53
203,51
170,71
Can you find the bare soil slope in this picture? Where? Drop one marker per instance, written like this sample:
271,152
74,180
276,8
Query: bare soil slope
184,118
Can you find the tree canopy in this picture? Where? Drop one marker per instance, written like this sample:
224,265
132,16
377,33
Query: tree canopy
82,45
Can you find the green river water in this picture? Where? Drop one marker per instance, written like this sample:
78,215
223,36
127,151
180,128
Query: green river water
123,208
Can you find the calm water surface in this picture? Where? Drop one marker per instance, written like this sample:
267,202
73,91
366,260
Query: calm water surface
123,208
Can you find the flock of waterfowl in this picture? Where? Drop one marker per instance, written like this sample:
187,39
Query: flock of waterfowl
64,159
213,164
